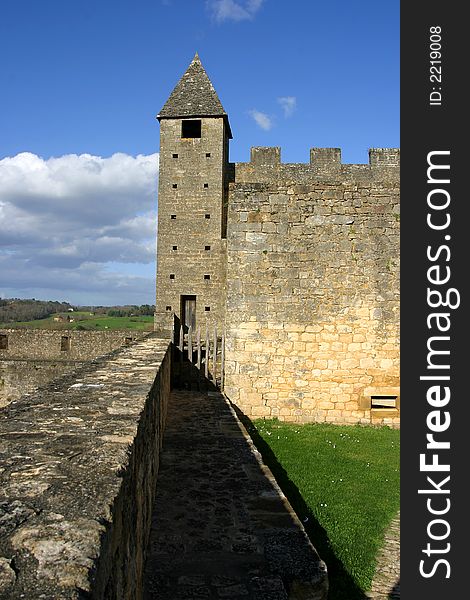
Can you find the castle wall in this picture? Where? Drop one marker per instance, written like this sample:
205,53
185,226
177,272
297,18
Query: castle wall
33,357
80,461
312,316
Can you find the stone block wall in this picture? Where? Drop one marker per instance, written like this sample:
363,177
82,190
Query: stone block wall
312,316
191,222
49,344
79,467
33,357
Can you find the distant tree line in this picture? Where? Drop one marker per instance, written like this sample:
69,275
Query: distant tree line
13,310
131,311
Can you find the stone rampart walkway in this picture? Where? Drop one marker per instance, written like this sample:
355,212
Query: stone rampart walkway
221,526
386,582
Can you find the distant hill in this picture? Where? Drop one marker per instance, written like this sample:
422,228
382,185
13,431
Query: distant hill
14,310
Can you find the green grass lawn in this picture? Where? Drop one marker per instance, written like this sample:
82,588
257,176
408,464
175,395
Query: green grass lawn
83,320
343,482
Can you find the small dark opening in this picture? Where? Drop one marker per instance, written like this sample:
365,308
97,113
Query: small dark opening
207,276
384,402
127,341
208,154
207,216
207,308
173,217
64,343
175,247
207,247
191,129
3,341
168,308
175,156
206,185
175,185
172,275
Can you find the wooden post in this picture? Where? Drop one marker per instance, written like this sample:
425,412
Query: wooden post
190,344
181,344
214,359
206,363
198,343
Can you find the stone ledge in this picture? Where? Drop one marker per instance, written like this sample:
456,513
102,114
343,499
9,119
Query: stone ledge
287,546
79,465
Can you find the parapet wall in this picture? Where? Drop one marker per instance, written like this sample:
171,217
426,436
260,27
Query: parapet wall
80,461
33,357
46,344
265,166
313,288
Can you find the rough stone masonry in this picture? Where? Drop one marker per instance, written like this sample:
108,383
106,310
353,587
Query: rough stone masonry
298,263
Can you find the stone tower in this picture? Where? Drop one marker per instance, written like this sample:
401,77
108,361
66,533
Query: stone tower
192,201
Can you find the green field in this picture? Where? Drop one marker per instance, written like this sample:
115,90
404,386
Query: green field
87,321
343,482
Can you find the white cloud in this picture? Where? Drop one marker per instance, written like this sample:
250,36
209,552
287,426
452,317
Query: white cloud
229,10
261,119
288,104
63,220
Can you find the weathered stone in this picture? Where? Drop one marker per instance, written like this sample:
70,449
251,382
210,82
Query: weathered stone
34,357
76,493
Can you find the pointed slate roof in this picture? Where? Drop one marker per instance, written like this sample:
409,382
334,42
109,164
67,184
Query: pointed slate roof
194,96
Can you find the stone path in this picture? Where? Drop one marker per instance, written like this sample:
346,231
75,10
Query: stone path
386,582
221,526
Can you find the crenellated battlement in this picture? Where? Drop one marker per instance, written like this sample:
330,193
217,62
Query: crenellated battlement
323,157
265,166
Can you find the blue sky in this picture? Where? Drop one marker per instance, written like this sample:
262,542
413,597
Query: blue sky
82,81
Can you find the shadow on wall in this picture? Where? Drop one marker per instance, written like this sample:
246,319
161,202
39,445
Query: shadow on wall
342,586
395,592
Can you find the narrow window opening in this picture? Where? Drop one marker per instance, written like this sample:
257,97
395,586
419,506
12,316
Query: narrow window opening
207,276
175,247
172,275
207,216
208,154
175,185
384,402
206,185
167,307
3,341
207,247
64,343
172,216
175,156
207,308
191,128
